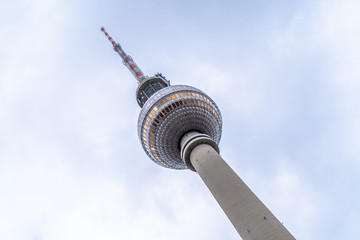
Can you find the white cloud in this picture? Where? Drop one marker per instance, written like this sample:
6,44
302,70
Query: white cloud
339,31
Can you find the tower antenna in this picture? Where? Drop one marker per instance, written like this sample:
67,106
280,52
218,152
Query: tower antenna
127,60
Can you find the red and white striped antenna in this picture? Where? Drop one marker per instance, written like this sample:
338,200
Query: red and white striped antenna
127,60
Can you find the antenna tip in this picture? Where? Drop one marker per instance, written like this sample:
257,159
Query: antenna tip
102,29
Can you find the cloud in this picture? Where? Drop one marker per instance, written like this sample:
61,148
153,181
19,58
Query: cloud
339,30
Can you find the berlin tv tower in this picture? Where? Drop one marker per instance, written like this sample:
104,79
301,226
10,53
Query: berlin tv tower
179,127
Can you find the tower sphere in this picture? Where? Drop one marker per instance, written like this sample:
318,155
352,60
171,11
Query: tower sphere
168,115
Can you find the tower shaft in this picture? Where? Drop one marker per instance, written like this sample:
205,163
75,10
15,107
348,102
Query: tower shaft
250,217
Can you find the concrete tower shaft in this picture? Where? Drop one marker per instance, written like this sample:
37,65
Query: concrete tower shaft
250,217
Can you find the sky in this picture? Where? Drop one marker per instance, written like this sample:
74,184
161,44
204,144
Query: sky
285,75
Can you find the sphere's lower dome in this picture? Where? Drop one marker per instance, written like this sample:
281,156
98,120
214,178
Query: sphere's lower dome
168,115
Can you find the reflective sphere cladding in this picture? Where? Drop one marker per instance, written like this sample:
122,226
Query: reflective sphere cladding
168,115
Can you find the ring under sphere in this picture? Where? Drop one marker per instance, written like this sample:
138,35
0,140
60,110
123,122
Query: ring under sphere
168,115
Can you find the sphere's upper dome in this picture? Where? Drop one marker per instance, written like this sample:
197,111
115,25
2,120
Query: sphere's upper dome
169,114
